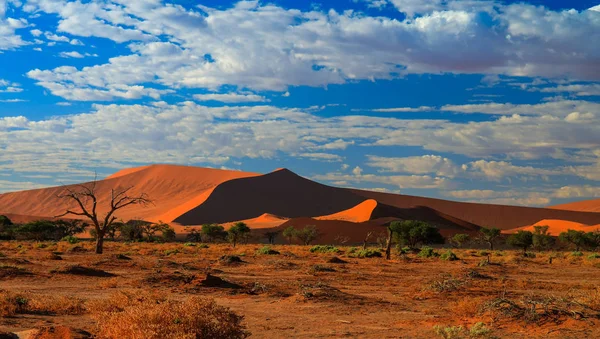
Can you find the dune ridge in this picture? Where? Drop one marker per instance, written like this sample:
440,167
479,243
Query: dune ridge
580,206
190,196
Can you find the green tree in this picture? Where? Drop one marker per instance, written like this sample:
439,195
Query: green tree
593,239
541,239
521,239
307,235
40,230
5,221
237,232
411,233
72,227
214,231
271,236
458,240
575,238
289,233
6,228
489,236
194,235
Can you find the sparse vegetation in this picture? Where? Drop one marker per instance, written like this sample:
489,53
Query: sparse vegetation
521,239
324,249
489,236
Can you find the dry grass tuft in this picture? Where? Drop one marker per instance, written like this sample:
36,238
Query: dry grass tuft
12,304
144,316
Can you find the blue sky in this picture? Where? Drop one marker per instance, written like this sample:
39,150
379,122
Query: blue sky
486,101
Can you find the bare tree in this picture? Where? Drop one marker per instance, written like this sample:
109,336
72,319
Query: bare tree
86,197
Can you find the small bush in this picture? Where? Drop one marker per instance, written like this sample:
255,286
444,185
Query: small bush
594,256
194,318
321,268
449,332
267,250
576,254
483,253
368,253
70,239
203,246
189,244
324,249
230,259
449,256
479,330
529,255
171,252
427,252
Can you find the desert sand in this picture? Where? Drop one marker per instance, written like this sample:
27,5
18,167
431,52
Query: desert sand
556,227
582,206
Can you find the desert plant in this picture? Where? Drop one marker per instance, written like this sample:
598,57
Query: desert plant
307,235
289,232
266,250
237,232
427,252
449,256
521,239
194,235
458,240
213,231
193,318
449,332
413,232
575,238
541,239
489,236
324,249
70,239
85,196
271,236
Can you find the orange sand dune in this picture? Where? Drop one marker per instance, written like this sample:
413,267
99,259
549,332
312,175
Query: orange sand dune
486,215
280,193
555,227
266,220
359,213
127,171
582,206
169,186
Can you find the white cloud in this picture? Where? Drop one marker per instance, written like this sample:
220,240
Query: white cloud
512,197
209,48
415,165
577,192
231,97
405,109
72,54
497,170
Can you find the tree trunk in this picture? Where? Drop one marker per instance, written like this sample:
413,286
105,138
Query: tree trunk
491,245
366,240
388,249
100,243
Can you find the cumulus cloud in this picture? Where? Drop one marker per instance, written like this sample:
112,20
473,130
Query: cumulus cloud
512,197
415,165
577,192
231,97
208,48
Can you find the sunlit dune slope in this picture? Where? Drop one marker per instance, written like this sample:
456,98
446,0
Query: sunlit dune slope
555,227
170,187
503,217
582,206
359,213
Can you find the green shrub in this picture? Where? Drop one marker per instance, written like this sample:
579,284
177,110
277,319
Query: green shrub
203,246
324,249
449,332
479,330
427,252
189,244
171,252
266,250
368,253
352,250
594,256
70,239
576,254
449,256
483,253
40,245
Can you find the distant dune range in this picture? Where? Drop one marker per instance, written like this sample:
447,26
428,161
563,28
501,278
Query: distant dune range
191,196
